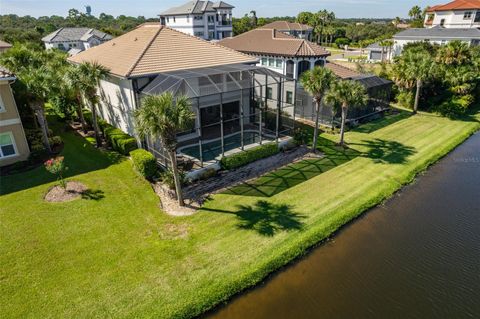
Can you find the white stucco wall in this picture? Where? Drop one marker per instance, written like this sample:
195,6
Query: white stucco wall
454,19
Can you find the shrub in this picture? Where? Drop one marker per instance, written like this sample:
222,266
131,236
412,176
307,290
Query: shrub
167,178
300,136
55,141
120,141
87,115
248,156
406,99
455,106
144,162
56,166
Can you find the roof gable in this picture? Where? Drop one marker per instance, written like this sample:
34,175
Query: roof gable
75,34
272,42
456,5
191,7
287,26
151,49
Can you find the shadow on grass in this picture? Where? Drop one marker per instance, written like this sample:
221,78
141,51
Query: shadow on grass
291,175
80,158
265,218
384,151
93,194
381,122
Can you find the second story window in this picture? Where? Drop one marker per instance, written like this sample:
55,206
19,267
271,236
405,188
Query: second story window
467,15
264,61
188,18
199,18
2,106
7,145
269,93
477,17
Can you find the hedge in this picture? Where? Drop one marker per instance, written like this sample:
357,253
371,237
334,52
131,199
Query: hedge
120,141
144,162
248,156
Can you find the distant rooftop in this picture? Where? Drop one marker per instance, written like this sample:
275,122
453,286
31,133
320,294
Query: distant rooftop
75,34
4,45
439,32
151,49
5,73
287,26
456,5
197,7
272,42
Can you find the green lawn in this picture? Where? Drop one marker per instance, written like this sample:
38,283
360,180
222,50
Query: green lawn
117,255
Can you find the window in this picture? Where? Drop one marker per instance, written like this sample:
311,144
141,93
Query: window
168,19
188,18
271,62
174,19
442,22
289,97
2,106
269,93
200,18
467,15
477,17
278,63
7,145
199,34
264,61
211,19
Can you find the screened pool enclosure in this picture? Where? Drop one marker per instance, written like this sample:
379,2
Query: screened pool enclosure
235,109
240,106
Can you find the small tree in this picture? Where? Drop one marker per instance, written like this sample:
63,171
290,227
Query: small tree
76,82
317,82
92,73
346,94
414,67
56,166
162,117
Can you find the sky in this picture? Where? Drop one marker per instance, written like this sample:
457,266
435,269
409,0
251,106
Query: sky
264,8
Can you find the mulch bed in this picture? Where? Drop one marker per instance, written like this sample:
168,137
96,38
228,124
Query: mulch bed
58,194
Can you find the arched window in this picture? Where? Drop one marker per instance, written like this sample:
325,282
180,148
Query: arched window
302,67
319,63
290,69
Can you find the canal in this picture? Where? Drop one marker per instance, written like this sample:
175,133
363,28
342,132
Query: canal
415,256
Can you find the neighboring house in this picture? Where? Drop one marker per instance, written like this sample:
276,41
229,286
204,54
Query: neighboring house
437,35
75,40
204,19
298,30
13,143
379,53
153,59
291,57
456,20
458,14
4,46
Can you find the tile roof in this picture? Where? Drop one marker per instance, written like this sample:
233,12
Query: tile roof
197,7
287,26
341,71
151,49
75,34
456,5
4,45
5,73
367,80
439,32
273,42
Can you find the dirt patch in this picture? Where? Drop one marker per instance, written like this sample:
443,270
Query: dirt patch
169,203
173,231
58,194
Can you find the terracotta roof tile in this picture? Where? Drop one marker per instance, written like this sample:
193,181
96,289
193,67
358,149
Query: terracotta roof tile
272,42
456,5
152,49
5,73
287,26
4,45
341,71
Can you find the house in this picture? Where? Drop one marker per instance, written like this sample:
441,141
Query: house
298,30
75,40
4,46
457,20
378,53
204,19
291,57
458,14
219,81
13,143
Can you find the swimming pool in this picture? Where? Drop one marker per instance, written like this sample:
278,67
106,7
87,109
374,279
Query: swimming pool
212,149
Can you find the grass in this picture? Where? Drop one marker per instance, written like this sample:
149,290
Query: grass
118,255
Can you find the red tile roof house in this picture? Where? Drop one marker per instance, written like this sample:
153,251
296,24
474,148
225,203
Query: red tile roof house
291,57
222,85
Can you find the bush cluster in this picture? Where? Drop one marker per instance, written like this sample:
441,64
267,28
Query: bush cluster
248,156
120,141
169,180
145,163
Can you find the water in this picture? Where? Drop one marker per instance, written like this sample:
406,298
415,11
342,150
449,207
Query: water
418,256
213,149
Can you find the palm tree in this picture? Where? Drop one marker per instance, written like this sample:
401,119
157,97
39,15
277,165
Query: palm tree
162,117
75,80
415,12
317,82
346,94
454,53
414,67
93,72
